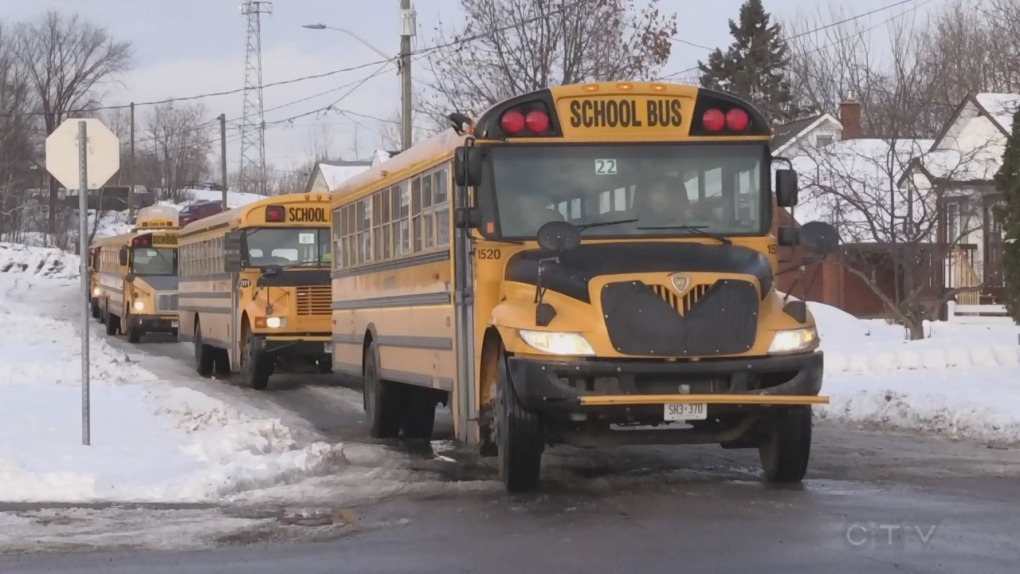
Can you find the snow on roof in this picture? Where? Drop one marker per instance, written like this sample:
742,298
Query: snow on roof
853,185
954,165
380,156
1001,107
335,173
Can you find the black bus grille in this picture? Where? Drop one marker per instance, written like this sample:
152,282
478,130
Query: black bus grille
652,320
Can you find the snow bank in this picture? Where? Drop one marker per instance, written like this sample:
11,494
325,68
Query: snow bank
151,441
855,346
941,402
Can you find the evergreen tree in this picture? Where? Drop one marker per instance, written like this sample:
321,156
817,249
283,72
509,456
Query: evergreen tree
1007,183
753,65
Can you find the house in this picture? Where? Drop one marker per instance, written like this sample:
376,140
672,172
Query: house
961,164
794,138
914,214
328,175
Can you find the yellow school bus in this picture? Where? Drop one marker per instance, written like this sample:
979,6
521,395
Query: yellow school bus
136,290
94,291
254,293
588,265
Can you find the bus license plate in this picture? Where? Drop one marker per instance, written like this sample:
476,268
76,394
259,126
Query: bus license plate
328,348
173,324
685,412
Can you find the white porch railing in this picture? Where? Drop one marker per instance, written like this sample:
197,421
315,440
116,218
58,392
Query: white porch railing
978,314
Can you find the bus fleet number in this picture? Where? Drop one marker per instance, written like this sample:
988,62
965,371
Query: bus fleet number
489,254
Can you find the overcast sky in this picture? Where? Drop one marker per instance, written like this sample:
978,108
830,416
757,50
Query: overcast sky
190,47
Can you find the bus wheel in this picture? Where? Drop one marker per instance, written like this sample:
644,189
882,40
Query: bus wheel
203,353
134,334
419,412
221,362
256,366
520,435
787,447
112,324
382,398
95,308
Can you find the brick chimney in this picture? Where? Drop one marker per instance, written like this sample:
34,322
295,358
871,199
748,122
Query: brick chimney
850,117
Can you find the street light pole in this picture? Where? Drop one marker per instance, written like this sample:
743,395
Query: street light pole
408,26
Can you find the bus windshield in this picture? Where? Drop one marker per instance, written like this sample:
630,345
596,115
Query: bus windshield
305,246
667,189
154,261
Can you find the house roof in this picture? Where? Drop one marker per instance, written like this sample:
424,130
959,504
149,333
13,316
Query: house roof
854,185
1000,108
786,133
336,172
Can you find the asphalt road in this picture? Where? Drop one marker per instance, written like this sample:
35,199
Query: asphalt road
873,502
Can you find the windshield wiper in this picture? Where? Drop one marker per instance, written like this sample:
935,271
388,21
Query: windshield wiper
302,264
604,223
694,230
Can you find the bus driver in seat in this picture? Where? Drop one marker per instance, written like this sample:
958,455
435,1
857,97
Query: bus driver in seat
665,203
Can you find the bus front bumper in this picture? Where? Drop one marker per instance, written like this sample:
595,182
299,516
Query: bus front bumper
640,389
313,345
154,323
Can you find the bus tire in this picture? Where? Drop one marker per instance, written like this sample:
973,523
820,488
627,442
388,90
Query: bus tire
134,334
419,412
382,398
221,362
520,435
256,366
203,353
112,323
324,366
95,308
787,447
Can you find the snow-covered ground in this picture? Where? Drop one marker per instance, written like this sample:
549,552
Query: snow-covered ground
152,441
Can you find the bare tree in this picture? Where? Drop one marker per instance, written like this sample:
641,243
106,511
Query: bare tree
181,141
18,170
888,198
509,47
68,60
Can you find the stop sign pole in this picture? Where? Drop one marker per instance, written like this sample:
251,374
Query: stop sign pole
83,154
83,238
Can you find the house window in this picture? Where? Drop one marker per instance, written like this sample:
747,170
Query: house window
822,141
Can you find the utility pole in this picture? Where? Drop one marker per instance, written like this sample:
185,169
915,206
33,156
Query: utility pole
131,168
223,156
407,29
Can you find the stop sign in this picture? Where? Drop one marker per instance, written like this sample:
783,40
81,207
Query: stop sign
102,154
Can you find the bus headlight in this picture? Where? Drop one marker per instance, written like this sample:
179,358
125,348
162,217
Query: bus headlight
96,292
139,305
276,322
557,343
793,340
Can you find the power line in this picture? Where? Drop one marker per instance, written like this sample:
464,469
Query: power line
794,37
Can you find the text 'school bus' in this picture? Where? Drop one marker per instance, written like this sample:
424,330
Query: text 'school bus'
581,262
136,290
255,288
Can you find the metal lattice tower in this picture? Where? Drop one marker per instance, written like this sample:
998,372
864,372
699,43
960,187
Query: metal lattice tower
252,172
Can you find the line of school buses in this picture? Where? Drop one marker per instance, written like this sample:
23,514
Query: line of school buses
578,265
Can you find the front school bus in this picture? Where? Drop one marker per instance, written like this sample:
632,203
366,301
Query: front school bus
255,292
94,291
610,280
137,279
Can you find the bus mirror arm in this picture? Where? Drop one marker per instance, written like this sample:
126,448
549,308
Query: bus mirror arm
544,312
468,218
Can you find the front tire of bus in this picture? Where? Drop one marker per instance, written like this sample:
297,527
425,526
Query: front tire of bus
256,366
382,398
95,308
419,412
134,334
787,447
520,435
203,353
112,324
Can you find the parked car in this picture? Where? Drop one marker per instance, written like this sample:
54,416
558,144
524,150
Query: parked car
199,210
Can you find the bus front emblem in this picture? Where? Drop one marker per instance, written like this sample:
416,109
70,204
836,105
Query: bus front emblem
680,283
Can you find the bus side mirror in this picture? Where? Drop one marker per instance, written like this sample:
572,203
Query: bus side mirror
232,252
122,256
786,188
467,166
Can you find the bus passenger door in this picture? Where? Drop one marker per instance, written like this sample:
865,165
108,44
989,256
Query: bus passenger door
232,265
466,414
